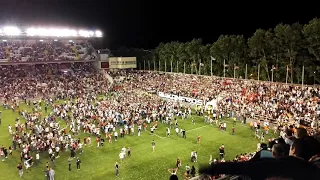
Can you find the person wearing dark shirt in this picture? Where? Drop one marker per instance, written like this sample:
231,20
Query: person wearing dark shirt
295,166
129,152
69,163
117,169
19,167
221,151
72,153
287,167
78,163
193,171
263,153
184,133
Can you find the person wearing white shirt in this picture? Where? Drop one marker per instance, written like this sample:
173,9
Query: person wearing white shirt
177,131
57,151
115,136
124,150
80,147
121,156
50,151
37,158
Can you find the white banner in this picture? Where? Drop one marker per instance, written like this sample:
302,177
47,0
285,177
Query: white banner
180,98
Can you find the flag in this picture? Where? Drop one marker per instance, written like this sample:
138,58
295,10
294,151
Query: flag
236,67
212,58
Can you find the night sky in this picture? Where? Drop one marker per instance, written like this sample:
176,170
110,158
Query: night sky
144,24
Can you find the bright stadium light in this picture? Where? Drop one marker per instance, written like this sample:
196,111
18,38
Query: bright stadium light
31,31
4,40
91,33
98,33
41,40
56,40
84,33
73,33
64,32
11,31
70,41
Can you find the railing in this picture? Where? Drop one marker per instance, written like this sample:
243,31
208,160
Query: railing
227,177
251,80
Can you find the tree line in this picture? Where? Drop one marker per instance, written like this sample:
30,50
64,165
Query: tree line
285,53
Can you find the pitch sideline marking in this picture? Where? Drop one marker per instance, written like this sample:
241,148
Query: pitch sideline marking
197,128
157,135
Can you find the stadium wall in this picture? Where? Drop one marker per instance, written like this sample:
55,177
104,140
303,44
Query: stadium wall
116,63
123,62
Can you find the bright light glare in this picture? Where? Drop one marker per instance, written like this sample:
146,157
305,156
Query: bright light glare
84,33
11,31
73,32
4,40
50,32
98,33
31,31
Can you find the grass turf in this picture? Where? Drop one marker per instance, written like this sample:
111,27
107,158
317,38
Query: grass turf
98,163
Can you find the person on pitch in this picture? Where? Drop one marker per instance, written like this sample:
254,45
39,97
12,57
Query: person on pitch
221,151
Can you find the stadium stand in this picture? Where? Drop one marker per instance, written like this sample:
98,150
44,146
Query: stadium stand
21,50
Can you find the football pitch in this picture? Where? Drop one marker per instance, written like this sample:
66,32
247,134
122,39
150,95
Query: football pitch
98,163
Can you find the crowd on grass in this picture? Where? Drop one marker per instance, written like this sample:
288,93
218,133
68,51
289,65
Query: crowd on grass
272,101
70,92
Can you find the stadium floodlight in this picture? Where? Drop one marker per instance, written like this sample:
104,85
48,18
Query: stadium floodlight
64,32
4,40
70,41
31,31
41,40
98,33
73,33
56,40
43,32
91,33
11,31
84,33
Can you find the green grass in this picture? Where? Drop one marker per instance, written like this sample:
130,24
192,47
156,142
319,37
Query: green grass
98,163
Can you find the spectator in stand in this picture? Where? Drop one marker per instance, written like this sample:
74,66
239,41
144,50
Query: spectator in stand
296,166
45,51
278,151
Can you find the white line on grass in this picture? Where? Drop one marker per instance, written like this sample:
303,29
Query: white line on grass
197,128
157,135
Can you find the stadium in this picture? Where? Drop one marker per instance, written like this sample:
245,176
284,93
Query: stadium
70,111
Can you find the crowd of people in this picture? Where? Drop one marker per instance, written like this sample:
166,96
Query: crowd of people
131,103
50,80
44,50
264,100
